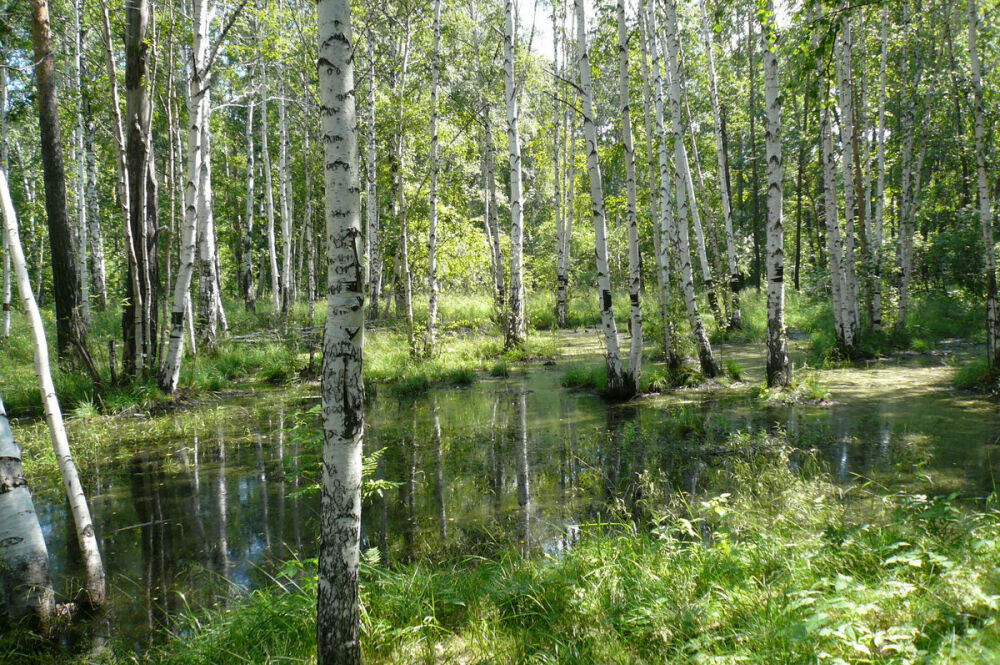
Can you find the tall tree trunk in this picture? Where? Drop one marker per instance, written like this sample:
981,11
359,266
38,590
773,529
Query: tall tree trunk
735,312
197,115
26,590
879,223
338,607
272,247
404,278
618,383
4,166
633,376
985,206
82,230
70,328
95,235
845,89
558,140
137,318
752,113
663,225
779,371
709,366
94,591
246,278
516,325
372,245
285,199
432,281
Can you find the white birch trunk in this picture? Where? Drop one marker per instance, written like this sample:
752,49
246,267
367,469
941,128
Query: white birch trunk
93,593
82,242
26,590
432,282
879,215
373,251
5,323
735,313
634,374
338,608
845,89
985,205
95,236
246,265
272,248
617,383
171,370
285,200
208,277
779,371
516,325
558,117
709,365
665,222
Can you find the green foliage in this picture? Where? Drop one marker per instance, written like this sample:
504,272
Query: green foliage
734,370
977,375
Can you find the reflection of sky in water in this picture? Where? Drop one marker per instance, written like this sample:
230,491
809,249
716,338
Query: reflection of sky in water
179,535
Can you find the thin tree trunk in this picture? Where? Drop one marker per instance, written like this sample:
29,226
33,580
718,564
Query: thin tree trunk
4,166
272,249
671,343
618,383
516,325
246,281
404,277
94,591
432,281
735,312
372,245
82,230
558,139
752,113
985,206
709,365
338,609
880,179
197,90
779,371
633,377
285,200
846,93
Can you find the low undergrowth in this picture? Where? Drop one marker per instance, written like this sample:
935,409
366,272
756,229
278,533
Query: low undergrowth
777,565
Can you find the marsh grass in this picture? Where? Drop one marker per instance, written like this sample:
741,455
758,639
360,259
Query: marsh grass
776,565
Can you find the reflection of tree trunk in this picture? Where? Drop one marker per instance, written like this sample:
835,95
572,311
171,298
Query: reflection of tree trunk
408,492
439,473
146,479
496,465
222,514
523,480
262,474
194,496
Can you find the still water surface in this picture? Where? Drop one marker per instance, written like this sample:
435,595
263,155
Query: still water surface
222,494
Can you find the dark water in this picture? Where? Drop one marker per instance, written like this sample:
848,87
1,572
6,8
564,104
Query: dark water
223,494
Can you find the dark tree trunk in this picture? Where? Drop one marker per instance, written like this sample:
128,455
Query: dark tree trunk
70,328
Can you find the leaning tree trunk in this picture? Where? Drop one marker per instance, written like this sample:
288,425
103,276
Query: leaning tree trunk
70,328
709,366
779,371
516,325
338,623
632,378
93,592
735,313
671,342
985,206
26,590
432,281
618,383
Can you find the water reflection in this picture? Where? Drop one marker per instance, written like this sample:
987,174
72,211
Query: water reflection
203,515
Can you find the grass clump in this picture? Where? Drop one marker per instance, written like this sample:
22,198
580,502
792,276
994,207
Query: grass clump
734,370
500,369
977,375
586,377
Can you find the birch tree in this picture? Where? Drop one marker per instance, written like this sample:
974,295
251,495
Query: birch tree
779,371
709,366
985,205
432,281
373,266
516,326
338,606
879,223
634,261
735,313
619,385
93,593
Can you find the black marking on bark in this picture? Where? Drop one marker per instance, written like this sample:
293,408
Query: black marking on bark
606,299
